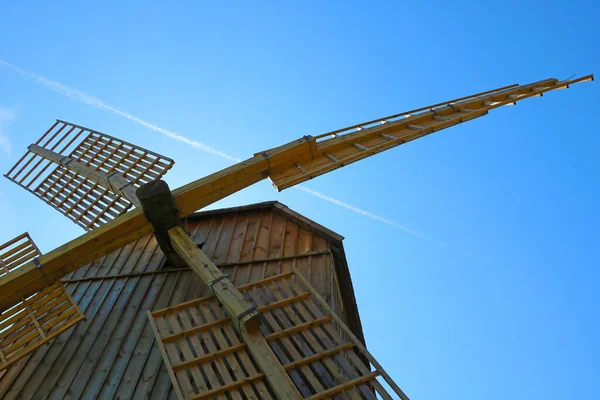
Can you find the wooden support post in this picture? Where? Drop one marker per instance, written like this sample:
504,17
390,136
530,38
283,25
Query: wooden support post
115,182
161,211
275,373
241,312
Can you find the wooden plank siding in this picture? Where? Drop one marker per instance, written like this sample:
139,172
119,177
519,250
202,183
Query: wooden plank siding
112,354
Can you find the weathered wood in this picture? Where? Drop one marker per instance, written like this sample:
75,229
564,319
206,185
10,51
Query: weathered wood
160,210
239,309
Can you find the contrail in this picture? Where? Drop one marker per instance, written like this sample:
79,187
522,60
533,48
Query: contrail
94,102
360,211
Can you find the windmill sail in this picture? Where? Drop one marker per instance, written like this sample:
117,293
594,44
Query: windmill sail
83,173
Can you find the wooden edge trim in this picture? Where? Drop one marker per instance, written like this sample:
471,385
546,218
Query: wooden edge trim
165,357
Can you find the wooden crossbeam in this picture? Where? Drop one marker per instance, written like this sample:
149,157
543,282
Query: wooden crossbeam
210,357
271,163
114,181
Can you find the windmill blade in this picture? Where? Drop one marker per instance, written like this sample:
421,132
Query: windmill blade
279,164
17,252
34,319
339,148
90,177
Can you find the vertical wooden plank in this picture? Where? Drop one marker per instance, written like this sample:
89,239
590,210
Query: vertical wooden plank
252,230
224,240
237,242
112,343
152,378
103,297
261,249
129,352
91,349
210,244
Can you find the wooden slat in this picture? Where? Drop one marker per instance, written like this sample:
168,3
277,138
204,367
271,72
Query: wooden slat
214,392
163,352
196,329
319,356
340,388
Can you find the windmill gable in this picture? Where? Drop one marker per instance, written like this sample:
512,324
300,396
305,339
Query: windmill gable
112,354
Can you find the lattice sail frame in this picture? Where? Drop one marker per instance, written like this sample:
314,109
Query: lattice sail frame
17,252
329,151
37,319
86,202
206,357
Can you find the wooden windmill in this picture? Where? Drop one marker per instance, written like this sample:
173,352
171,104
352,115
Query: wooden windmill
280,334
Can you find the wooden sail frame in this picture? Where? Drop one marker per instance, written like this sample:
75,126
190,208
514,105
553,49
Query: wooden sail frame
35,319
207,356
86,175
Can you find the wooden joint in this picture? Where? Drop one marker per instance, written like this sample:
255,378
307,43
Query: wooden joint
160,210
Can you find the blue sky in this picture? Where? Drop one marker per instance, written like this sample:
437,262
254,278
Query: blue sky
503,301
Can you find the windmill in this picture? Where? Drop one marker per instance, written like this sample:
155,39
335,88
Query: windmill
272,337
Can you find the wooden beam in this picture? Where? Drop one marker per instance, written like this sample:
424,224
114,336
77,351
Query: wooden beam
241,312
116,182
131,226
278,378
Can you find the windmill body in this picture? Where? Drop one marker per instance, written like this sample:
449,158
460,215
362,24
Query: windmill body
158,301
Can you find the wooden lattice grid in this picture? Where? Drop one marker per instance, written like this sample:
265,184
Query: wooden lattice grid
17,252
206,357
85,202
35,321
